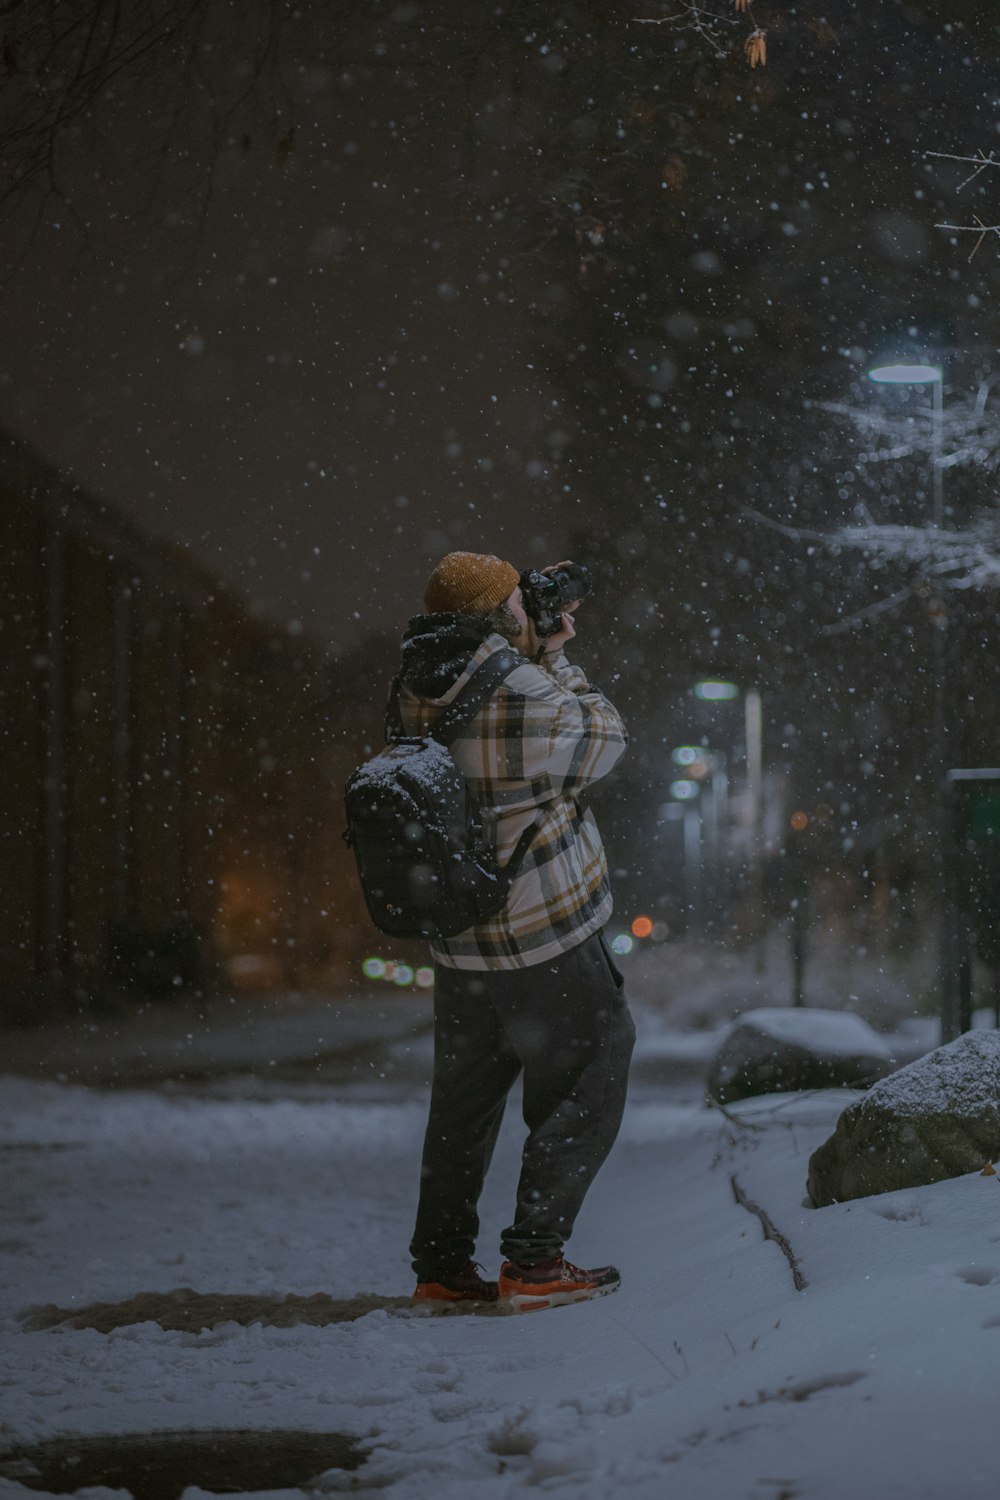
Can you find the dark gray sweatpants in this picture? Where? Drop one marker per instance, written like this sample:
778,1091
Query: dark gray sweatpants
566,1025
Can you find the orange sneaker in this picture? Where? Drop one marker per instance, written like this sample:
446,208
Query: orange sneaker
461,1286
554,1282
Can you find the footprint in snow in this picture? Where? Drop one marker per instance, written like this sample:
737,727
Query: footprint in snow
900,1212
978,1275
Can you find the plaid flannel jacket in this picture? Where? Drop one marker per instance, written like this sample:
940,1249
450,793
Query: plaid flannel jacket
544,736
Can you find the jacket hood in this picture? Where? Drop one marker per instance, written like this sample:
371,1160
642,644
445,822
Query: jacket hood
436,650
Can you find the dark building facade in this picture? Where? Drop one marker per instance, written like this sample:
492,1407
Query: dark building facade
170,806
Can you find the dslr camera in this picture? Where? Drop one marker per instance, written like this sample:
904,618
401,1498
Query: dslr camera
546,595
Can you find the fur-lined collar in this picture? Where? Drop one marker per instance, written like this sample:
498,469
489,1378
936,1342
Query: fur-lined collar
436,649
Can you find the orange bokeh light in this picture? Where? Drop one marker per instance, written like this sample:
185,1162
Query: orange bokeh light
799,820
642,927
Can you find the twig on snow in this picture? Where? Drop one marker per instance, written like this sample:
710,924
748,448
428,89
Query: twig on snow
650,1350
770,1232
711,1100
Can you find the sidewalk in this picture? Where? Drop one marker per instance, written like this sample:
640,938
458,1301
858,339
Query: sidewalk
325,1038
203,1039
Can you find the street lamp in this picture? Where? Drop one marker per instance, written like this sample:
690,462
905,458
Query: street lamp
905,374
686,794
710,768
711,690
917,373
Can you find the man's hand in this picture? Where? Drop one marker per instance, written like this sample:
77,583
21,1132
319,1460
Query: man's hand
551,645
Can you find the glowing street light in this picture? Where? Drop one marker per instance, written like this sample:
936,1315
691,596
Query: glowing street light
719,690
914,374
716,692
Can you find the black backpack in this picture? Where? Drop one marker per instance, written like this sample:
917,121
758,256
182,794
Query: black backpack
427,868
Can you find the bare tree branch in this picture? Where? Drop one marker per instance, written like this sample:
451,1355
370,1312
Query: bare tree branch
703,20
869,612
74,71
979,163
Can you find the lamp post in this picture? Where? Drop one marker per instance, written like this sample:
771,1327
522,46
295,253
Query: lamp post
686,795
708,769
932,375
914,373
712,691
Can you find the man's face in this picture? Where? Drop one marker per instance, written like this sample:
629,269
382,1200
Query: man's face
511,621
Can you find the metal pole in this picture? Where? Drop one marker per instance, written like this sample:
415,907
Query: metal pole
692,860
710,827
942,858
799,946
754,730
719,791
937,419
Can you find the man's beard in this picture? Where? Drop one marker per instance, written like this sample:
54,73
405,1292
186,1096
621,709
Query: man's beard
505,623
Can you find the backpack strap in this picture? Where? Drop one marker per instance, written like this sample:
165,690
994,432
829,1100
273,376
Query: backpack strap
395,729
512,866
478,690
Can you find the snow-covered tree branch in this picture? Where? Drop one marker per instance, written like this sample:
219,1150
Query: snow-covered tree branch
966,559
963,555
970,432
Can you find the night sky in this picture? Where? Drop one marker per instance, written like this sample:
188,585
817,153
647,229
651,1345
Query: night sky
303,375
302,350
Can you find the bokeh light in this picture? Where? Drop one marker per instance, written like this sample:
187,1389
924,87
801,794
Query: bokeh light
401,975
684,790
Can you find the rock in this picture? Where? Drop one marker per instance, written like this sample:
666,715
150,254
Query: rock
778,1051
936,1118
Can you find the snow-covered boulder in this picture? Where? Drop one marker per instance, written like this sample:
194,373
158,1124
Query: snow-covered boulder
938,1117
772,1051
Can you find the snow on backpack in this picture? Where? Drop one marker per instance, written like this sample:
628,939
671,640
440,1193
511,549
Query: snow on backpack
427,867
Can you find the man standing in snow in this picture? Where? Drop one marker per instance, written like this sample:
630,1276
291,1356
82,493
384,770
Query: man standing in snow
534,988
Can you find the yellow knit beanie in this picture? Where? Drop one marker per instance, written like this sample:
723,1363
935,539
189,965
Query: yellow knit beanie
470,583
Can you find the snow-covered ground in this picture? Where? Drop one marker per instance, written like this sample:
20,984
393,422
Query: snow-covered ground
709,1376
